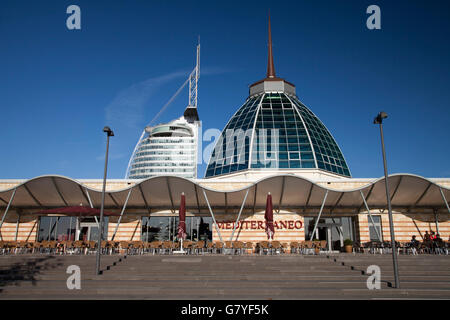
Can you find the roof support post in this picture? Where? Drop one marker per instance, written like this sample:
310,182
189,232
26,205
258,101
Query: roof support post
309,197
367,198
445,200
121,214
340,230
281,195
370,216
96,221
6,211
320,213
17,226
90,203
436,220
170,194
212,215
254,200
226,202
239,215
89,198
146,228
83,193
196,198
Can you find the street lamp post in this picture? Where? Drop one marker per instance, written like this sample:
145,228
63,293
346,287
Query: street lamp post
109,133
379,120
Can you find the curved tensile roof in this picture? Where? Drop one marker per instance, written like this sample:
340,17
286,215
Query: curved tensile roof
408,192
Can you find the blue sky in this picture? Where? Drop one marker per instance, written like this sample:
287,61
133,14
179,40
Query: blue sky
58,87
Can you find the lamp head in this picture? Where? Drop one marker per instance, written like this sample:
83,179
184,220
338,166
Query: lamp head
379,118
108,131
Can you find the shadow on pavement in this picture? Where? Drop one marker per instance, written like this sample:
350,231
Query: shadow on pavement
26,270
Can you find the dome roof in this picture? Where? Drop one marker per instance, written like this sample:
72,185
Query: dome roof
273,130
281,133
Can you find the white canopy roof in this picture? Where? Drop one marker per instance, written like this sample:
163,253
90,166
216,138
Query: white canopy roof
409,193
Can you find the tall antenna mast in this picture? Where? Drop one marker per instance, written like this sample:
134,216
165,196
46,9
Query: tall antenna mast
193,80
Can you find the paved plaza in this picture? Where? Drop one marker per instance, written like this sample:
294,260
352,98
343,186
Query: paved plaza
205,277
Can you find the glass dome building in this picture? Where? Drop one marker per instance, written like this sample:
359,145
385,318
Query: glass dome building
274,131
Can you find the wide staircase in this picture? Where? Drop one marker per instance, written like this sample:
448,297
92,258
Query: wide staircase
341,276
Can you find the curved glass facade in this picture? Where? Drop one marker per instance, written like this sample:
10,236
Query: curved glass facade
274,130
167,150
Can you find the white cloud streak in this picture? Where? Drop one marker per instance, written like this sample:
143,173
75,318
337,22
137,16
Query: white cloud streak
128,105
127,108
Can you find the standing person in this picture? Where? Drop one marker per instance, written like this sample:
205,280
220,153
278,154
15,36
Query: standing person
433,236
437,244
427,242
414,244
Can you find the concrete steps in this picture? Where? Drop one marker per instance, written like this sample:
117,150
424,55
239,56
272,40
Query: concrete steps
223,277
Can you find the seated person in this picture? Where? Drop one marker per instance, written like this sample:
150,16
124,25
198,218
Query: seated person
414,242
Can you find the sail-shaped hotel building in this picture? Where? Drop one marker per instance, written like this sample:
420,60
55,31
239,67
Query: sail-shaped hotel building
170,148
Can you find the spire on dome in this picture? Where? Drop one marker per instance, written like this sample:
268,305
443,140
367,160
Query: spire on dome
271,82
270,65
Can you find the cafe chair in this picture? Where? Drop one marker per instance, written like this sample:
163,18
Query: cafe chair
276,247
199,247
218,247
248,247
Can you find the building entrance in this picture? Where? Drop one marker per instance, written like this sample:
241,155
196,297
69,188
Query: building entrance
89,232
325,232
333,230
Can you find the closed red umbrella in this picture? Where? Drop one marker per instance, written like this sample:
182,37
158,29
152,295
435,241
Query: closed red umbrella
182,218
76,211
269,217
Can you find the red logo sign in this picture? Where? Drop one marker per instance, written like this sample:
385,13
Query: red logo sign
256,225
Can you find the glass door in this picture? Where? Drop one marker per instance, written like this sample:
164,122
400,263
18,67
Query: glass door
94,233
89,232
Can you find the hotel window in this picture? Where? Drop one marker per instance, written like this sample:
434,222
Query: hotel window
374,227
